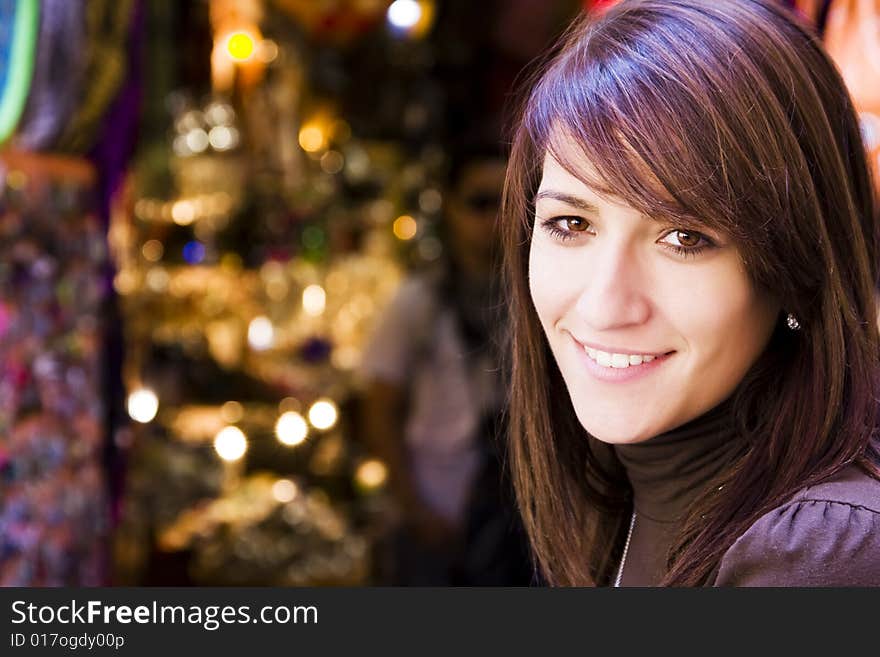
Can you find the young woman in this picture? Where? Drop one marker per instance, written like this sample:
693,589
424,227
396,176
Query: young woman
691,253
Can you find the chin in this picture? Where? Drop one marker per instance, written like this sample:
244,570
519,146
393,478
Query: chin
614,430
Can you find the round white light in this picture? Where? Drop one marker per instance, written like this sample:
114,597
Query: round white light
314,300
284,490
230,443
291,428
404,14
143,405
323,414
261,334
222,137
197,140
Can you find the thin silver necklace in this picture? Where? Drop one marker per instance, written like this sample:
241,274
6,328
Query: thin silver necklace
629,534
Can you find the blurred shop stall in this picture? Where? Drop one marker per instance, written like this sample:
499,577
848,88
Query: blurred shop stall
290,172
66,131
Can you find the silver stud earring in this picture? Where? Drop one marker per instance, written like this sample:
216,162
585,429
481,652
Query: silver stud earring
792,322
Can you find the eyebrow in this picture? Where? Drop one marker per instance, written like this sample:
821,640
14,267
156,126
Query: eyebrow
574,201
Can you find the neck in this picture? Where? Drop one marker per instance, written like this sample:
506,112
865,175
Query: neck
670,471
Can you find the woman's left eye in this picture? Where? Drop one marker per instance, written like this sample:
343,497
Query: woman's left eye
686,242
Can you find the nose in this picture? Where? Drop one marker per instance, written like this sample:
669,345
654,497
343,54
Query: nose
616,292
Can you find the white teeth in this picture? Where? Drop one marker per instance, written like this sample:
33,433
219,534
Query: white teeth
618,361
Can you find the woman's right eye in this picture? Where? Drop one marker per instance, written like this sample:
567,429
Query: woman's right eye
566,227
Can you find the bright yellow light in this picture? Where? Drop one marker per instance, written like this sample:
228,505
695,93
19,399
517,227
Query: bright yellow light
143,405
230,443
261,334
314,300
232,412
240,46
323,414
284,490
405,227
371,474
291,428
311,138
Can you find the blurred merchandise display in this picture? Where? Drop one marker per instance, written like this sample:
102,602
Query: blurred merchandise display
54,518
253,257
66,118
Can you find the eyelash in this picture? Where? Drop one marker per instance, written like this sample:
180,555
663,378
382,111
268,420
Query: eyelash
552,226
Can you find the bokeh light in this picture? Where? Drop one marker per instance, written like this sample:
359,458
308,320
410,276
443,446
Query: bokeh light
194,252
314,300
404,14
405,227
311,138
232,412
323,414
240,46
284,491
371,474
153,250
291,428
261,333
230,443
143,405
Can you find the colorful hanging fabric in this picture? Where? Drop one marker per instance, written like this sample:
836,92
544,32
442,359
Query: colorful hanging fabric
58,75
107,28
19,26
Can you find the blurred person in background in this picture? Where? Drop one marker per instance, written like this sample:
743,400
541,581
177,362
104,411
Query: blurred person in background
434,396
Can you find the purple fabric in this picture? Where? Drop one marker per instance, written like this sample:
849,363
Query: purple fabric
118,136
58,75
111,155
827,535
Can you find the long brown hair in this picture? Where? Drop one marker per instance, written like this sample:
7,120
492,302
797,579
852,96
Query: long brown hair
731,112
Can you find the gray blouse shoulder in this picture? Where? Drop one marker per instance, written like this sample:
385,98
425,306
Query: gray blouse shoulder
827,535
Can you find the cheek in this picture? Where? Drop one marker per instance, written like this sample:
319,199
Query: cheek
725,322
545,284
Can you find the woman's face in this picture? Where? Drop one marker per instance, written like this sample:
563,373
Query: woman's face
651,325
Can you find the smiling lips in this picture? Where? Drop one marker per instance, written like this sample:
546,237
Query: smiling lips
617,361
619,368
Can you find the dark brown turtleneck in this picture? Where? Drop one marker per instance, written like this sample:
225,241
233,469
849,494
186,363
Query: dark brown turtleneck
668,473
